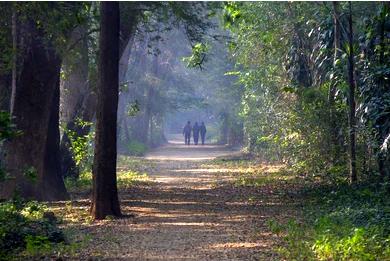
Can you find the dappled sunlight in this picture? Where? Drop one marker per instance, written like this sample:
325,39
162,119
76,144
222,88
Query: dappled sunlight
181,209
233,245
211,170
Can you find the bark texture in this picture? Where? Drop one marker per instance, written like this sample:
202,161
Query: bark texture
32,158
105,195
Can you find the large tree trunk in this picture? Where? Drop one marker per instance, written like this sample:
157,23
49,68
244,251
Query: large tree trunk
105,195
351,101
35,152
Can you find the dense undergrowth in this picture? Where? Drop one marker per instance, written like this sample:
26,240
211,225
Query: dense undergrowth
337,221
28,230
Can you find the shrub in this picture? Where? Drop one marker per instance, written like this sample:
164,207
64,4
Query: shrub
27,226
82,146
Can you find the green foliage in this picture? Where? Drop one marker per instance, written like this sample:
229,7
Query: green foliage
133,108
27,226
341,223
198,57
231,14
7,129
82,182
294,104
125,178
81,146
297,239
37,245
56,20
31,174
128,178
136,148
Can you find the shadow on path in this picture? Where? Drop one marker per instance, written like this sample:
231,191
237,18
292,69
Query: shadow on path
188,212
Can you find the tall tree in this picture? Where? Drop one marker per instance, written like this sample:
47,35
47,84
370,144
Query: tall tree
105,194
351,101
32,158
333,85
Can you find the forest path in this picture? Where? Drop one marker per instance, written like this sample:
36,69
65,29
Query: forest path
189,211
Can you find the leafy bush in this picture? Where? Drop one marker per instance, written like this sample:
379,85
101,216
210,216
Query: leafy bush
81,146
82,182
136,148
27,226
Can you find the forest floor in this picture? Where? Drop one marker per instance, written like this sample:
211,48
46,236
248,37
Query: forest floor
197,203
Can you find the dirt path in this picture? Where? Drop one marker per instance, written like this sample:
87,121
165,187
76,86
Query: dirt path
187,212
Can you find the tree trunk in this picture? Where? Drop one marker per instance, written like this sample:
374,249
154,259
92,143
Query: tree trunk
105,195
351,99
53,145
123,95
152,97
333,86
35,152
14,60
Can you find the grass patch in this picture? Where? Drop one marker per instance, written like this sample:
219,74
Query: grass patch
130,170
262,176
340,223
125,179
250,173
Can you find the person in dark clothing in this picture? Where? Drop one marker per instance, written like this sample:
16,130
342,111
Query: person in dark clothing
202,130
187,133
195,133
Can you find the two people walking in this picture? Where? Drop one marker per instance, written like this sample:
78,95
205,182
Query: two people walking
196,130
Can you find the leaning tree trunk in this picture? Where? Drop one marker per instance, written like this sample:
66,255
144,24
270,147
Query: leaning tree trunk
351,101
105,194
32,158
77,98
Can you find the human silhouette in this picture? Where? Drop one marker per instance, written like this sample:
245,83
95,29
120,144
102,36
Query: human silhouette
202,130
195,133
187,133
